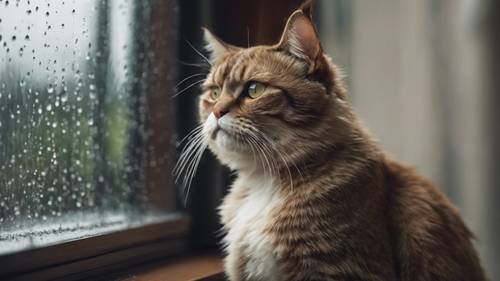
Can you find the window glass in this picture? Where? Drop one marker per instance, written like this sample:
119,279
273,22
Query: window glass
75,133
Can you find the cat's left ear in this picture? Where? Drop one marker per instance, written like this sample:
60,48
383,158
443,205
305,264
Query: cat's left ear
215,46
300,38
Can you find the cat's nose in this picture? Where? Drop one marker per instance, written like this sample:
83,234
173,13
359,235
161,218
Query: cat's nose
220,112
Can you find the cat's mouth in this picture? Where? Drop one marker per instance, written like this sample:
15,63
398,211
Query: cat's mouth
227,139
219,131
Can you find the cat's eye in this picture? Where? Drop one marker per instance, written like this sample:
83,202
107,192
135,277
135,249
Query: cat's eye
255,89
215,93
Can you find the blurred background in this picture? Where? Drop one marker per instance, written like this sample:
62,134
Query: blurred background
421,78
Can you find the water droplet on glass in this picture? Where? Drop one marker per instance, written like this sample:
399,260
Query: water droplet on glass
27,37
50,89
47,13
49,107
14,37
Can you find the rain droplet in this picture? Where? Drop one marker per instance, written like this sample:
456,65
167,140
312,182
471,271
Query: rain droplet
27,37
47,13
14,38
50,89
49,107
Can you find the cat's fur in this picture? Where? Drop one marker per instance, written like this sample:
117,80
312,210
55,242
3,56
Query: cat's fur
315,197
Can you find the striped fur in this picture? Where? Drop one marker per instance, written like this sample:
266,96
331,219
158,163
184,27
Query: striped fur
315,197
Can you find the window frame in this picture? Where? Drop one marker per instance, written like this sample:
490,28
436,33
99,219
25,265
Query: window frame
101,253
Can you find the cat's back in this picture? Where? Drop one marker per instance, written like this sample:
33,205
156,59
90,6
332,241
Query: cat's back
433,242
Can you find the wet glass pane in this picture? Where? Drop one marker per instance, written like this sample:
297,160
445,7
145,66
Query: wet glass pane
81,144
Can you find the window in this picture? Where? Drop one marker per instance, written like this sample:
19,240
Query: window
86,125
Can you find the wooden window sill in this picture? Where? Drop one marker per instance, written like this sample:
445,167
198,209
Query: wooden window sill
206,267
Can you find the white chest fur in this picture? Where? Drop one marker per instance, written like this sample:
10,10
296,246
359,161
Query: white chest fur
247,235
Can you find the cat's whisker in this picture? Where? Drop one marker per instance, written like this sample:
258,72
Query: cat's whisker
196,162
262,155
185,159
195,137
248,37
188,87
263,149
199,53
269,142
200,65
190,167
186,155
191,139
192,133
189,77
251,143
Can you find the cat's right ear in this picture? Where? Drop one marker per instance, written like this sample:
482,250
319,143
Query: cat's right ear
215,46
300,38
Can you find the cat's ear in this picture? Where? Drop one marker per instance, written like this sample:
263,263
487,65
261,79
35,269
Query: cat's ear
215,46
307,8
301,39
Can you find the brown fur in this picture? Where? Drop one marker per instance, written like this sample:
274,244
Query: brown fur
347,211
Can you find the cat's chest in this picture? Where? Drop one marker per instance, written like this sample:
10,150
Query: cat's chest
249,234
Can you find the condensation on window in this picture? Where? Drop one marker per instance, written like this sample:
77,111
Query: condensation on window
72,111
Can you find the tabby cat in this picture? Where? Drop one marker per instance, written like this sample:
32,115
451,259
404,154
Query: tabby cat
315,197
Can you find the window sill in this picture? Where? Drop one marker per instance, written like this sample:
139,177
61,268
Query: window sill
205,267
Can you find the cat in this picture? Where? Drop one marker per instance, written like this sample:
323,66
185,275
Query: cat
315,197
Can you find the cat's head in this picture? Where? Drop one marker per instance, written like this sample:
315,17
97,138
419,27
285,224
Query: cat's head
270,103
